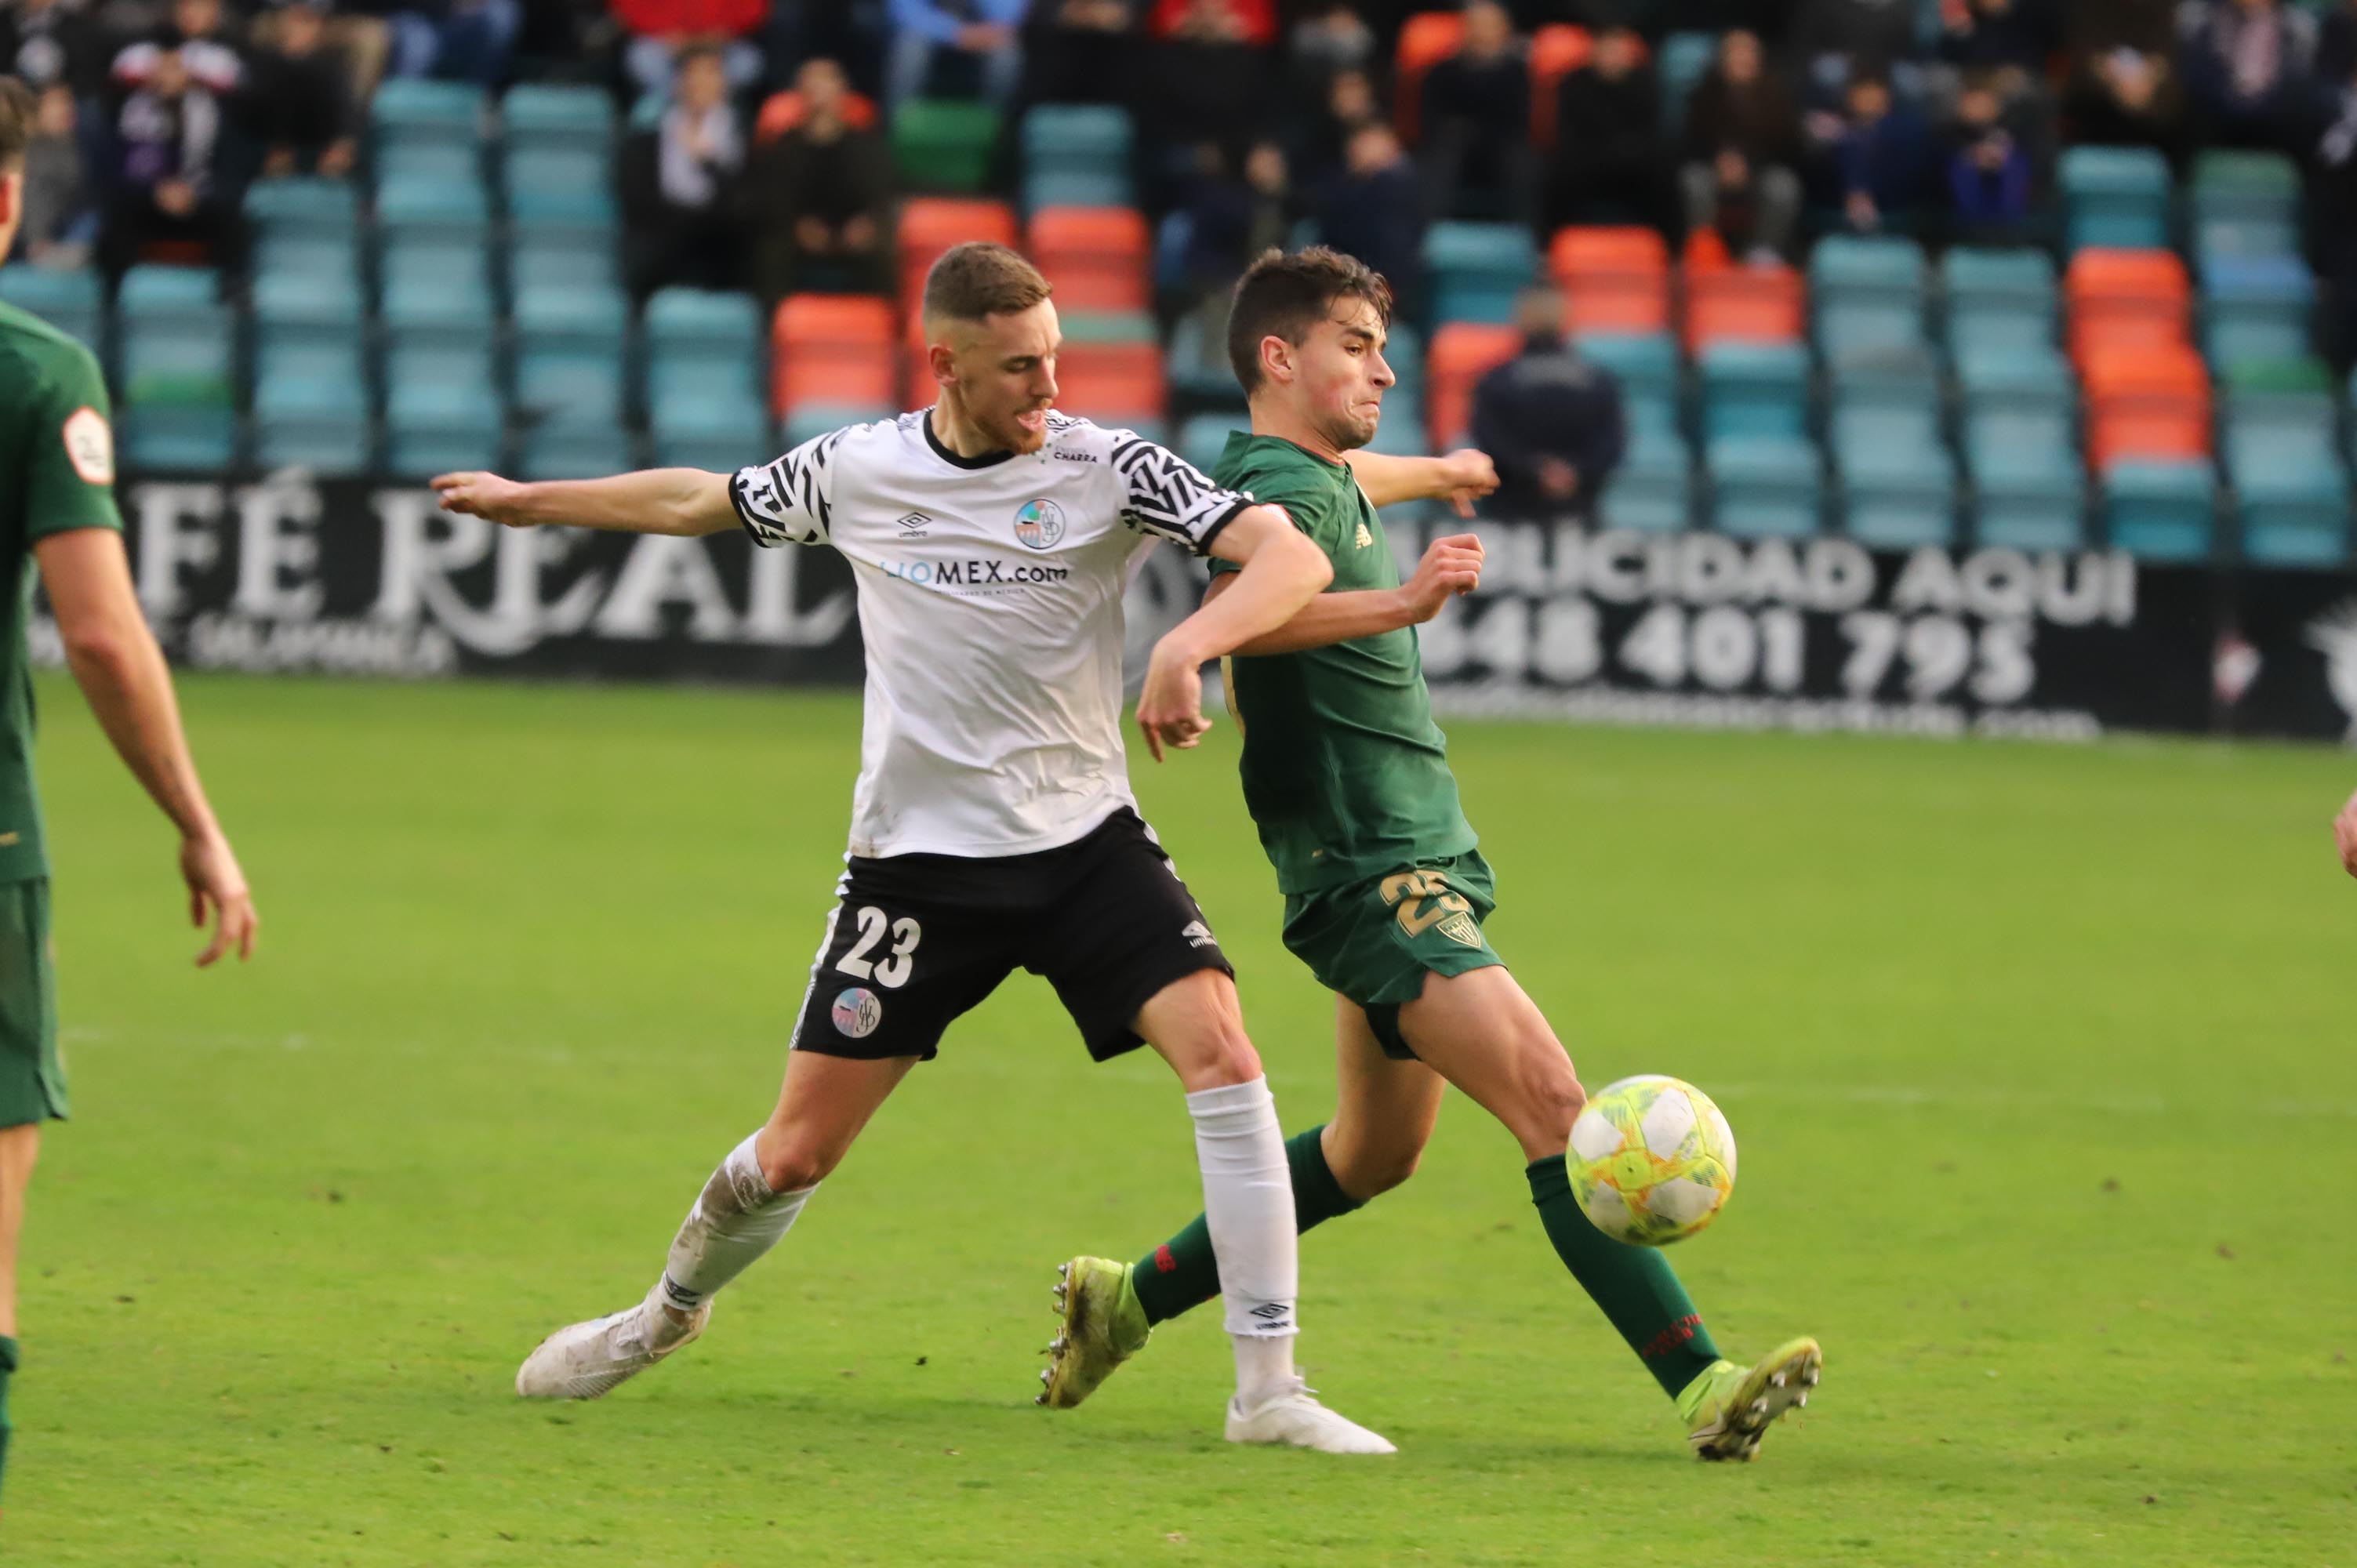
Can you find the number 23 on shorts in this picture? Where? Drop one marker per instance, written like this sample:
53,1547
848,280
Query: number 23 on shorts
892,969
1423,899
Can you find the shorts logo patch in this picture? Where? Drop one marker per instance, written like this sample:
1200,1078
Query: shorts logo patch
89,446
1461,930
1040,525
1199,935
857,1013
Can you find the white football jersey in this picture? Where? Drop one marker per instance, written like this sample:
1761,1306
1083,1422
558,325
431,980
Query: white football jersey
990,604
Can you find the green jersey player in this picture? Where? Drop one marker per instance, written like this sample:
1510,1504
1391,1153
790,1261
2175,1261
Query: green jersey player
57,511
1385,889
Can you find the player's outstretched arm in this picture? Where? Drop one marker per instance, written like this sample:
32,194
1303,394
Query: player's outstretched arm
1283,570
1451,566
2344,832
1461,479
652,500
122,673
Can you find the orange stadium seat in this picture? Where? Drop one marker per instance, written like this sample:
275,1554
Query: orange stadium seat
2125,299
1748,304
1556,51
1098,258
832,348
781,112
1615,279
1460,354
931,224
1111,382
2146,402
1426,39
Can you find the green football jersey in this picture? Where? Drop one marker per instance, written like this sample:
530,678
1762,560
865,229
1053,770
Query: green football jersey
57,472
1344,771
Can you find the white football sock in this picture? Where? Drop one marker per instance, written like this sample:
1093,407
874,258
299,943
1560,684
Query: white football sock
735,1219
1248,1207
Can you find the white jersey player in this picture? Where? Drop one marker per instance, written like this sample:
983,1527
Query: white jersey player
993,826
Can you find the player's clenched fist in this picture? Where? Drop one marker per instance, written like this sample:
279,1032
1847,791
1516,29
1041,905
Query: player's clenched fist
1170,707
1451,566
2344,832
1469,475
482,495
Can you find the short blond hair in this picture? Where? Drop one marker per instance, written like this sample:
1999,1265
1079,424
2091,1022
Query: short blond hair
978,279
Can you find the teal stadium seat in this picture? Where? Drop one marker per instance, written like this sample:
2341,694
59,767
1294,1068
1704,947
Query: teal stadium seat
1475,270
551,114
1855,270
1204,436
571,358
1652,491
1765,486
1998,297
1651,377
408,111
2291,489
1752,389
2161,511
2245,204
563,187
705,358
178,340
812,420
2116,198
437,423
1684,57
577,449
72,301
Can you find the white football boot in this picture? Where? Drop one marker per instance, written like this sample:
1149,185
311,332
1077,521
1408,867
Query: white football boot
1289,1416
591,1358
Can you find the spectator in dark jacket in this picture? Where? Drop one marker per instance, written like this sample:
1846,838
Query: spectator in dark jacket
821,196
298,102
2124,88
1370,211
1329,38
1875,156
2333,205
1608,164
167,187
1209,69
1742,142
1831,38
2246,69
1081,51
1474,116
46,41
1985,36
1990,173
680,185
1551,422
2336,53
1350,101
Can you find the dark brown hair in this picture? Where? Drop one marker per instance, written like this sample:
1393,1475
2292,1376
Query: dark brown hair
979,279
16,124
1283,296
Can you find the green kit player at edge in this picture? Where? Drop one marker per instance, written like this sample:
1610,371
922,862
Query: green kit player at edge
57,511
1385,891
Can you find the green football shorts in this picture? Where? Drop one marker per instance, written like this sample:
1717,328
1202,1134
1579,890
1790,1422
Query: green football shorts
32,1079
1375,941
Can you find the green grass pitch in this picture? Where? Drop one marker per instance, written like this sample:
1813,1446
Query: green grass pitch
2039,1061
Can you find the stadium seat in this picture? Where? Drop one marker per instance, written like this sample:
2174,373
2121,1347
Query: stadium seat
309,329
441,414
69,301
413,111
1204,436
2256,307
1846,269
165,436
1077,135
1653,490
1684,57
1754,389
2290,487
571,358
305,226
576,449
1647,367
1765,486
1426,39
1557,49
2113,197
1113,383
943,144
1615,279
2012,375
2244,204
813,420
540,259
1460,354
1748,304
931,224
176,341
561,185
1197,366
2031,510
703,349
835,350
1475,270
2161,511
2146,403
428,163
1899,498
1991,296
781,112
555,114
320,423
1096,256
2126,299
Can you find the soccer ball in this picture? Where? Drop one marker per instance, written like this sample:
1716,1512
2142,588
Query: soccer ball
1652,1160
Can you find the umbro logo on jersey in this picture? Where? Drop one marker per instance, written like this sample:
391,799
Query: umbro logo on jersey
913,524
1199,935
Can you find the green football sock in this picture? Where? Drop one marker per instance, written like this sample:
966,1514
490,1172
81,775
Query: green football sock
8,1367
1182,1271
1634,1286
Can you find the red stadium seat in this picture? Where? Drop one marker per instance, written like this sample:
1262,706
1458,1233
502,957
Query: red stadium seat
832,348
1748,304
1098,258
2122,299
1112,382
931,224
1426,39
2146,402
1460,354
1556,51
1615,279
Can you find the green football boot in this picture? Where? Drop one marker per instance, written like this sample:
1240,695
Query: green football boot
1729,1409
1104,1326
